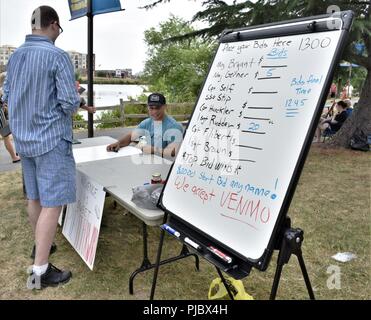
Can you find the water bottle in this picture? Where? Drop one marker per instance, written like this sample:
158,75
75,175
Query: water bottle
142,142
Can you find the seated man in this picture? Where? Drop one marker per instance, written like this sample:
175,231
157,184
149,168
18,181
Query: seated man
162,133
334,124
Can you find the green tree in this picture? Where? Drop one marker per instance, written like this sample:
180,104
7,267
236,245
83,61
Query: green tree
177,69
220,15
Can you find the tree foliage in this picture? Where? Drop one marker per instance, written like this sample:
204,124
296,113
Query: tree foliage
221,15
176,69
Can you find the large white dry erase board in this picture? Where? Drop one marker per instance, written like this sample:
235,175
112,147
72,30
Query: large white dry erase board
246,135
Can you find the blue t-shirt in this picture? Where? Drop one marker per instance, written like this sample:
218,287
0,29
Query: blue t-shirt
161,133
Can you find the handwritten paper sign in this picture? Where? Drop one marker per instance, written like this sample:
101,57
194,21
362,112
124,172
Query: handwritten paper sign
245,137
83,218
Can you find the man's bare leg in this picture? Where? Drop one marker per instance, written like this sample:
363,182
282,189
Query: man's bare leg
33,209
45,231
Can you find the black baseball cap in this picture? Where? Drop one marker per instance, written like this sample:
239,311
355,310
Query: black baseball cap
156,99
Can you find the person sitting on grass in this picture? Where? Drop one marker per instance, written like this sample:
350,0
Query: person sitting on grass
333,124
163,134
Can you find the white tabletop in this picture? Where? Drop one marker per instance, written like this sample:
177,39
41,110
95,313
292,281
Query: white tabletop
120,175
93,149
96,141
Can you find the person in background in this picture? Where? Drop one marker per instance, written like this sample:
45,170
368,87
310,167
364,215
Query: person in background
42,97
347,91
334,123
333,90
162,133
4,125
349,103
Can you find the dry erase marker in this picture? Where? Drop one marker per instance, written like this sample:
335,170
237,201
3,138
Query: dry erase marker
220,254
192,243
170,230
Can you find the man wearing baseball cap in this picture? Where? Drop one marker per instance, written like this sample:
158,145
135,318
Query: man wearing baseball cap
162,133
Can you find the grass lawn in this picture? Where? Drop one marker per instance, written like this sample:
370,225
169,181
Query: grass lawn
331,204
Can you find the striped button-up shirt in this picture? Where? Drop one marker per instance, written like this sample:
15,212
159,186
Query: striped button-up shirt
41,95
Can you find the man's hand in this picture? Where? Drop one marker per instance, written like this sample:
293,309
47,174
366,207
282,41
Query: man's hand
114,147
147,149
90,109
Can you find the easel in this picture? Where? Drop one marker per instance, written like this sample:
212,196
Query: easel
289,242
201,233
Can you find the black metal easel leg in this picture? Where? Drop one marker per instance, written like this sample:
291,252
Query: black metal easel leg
305,275
157,264
225,283
276,280
291,244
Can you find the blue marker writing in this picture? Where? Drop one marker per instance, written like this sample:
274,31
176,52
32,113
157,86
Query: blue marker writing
170,230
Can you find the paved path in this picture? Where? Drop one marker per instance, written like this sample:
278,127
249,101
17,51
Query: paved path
6,162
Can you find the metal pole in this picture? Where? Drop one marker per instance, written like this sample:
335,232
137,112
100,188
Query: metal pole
90,67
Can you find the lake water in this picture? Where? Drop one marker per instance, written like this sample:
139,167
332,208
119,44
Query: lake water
110,95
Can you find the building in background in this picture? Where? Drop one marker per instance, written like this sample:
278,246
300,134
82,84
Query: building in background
5,53
80,62
117,73
124,73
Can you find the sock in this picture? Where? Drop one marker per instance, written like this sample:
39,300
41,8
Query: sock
40,270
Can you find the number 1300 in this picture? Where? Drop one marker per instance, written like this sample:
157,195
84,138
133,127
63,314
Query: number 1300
308,43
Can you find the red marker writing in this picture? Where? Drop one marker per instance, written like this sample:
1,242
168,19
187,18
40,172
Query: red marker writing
220,254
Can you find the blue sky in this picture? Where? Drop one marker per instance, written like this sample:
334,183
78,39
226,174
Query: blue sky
118,36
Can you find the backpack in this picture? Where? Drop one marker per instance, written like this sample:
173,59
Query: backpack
359,141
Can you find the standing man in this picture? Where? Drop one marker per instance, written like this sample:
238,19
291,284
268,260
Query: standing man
162,133
41,95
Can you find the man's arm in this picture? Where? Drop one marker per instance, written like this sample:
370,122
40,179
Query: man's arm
122,142
83,105
89,109
129,137
67,95
169,152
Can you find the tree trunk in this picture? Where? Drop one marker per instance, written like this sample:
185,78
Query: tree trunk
360,118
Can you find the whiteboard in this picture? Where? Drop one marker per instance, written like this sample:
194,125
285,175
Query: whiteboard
246,134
